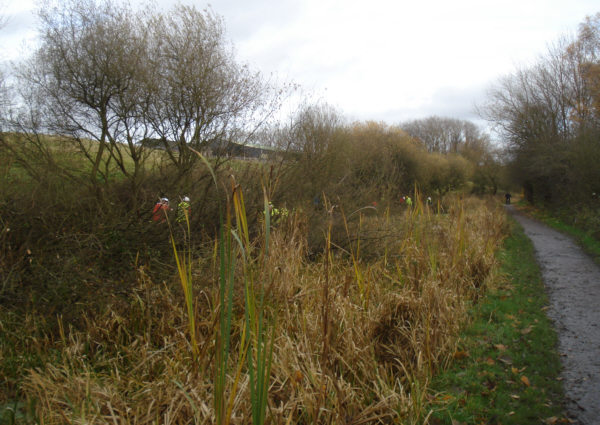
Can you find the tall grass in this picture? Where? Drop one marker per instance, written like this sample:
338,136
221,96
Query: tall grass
309,349
362,284
183,261
260,343
227,265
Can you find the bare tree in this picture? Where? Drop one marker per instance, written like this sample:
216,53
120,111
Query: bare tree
4,99
199,96
111,80
312,138
444,135
547,113
584,52
83,83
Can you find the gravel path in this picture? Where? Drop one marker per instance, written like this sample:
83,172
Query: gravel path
572,280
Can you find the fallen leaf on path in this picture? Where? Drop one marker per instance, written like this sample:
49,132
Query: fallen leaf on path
525,380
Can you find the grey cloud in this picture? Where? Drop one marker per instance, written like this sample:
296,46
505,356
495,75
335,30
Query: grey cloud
459,103
243,19
18,35
19,23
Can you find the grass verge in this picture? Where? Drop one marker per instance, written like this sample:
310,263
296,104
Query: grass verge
506,370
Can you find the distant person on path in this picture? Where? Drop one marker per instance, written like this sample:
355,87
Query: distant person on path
183,210
159,213
507,197
429,201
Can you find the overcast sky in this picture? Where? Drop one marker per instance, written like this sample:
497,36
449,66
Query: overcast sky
383,60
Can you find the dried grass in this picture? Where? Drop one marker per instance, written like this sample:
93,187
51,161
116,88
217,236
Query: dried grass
134,364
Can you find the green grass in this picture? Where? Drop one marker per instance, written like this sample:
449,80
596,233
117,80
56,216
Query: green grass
66,154
507,367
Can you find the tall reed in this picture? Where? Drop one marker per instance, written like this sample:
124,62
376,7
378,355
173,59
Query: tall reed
361,282
256,329
183,261
227,255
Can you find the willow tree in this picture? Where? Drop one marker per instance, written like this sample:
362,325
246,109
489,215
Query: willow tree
83,84
200,97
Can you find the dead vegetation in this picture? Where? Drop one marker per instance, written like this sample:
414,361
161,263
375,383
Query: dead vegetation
354,341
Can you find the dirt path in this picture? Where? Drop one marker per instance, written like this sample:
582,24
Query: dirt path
572,280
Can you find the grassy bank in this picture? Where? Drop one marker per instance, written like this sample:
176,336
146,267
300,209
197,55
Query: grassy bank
506,369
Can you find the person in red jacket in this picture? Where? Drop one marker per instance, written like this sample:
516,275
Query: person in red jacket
159,213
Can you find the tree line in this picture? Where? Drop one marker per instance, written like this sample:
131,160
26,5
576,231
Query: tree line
113,84
548,115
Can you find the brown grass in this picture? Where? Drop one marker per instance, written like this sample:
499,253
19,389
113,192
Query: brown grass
336,359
